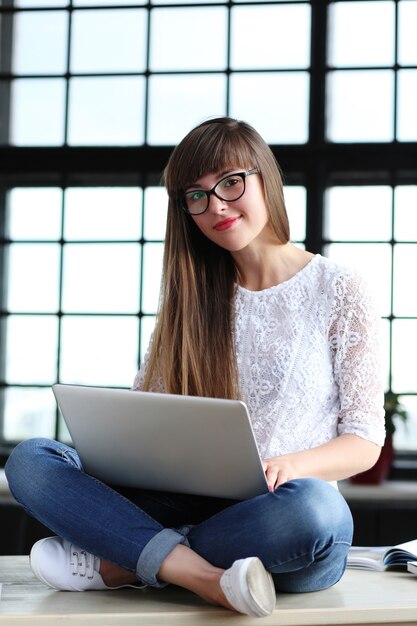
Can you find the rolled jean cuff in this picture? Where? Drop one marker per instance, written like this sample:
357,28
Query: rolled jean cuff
155,552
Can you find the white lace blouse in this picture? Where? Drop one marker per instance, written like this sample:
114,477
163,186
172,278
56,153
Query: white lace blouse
308,359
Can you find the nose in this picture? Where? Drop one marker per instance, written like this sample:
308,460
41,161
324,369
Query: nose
216,205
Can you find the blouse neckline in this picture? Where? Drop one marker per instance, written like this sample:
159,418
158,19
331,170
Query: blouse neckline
297,276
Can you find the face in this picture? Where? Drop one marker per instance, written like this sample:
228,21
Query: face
236,224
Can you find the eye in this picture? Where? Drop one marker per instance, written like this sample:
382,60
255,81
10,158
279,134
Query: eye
194,196
232,181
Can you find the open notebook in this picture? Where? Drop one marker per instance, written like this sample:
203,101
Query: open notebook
382,558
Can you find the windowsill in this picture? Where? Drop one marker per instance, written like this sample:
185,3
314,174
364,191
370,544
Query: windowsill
388,491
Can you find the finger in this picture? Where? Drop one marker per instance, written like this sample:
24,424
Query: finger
271,477
269,480
277,479
282,477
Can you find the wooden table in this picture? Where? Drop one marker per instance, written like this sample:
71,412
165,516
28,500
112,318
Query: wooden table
359,598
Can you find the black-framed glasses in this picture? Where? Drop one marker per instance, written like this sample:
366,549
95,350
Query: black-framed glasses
228,189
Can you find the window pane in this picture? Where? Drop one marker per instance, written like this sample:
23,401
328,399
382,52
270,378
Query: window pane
178,103
373,261
385,350
101,278
194,39
405,262
31,349
360,105
63,432
276,104
89,3
34,213
407,41
262,1
185,2
99,350
361,34
270,37
152,258
40,42
100,213
406,213
106,111
28,412
407,105
358,213
40,3
37,112
33,277
108,41
156,204
295,200
405,436
404,339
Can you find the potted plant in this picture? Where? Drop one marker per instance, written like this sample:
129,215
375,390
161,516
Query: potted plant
394,410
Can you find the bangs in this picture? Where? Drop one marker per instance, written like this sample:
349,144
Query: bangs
214,149
228,153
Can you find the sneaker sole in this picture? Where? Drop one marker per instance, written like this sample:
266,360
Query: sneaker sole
261,587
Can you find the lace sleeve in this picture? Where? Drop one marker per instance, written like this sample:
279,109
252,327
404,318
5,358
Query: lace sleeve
140,376
354,338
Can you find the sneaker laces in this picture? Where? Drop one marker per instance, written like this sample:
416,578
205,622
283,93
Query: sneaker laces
82,563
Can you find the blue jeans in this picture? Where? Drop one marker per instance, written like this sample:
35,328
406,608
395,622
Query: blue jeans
301,532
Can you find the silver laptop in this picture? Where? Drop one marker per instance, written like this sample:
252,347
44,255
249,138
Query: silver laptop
165,442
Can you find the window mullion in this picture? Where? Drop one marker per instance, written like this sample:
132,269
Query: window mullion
316,176
318,73
6,45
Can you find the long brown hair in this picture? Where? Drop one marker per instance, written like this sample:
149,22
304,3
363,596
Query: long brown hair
192,351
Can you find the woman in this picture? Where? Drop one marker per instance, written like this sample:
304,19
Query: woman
246,314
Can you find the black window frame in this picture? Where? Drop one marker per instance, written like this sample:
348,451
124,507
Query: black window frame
316,165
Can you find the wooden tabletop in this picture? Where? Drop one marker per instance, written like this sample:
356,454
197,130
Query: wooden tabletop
359,598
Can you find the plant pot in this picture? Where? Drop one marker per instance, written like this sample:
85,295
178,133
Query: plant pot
379,472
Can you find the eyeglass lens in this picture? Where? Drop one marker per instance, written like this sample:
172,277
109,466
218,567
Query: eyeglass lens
229,189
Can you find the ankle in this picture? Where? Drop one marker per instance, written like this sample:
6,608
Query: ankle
187,569
114,576
219,597
207,585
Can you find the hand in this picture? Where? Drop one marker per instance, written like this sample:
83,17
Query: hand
337,459
279,470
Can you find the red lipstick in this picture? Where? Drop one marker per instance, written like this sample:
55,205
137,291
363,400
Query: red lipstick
227,223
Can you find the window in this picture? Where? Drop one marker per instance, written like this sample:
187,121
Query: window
134,75
74,286
383,249
94,94
372,88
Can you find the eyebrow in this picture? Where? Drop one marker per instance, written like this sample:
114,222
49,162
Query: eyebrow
220,175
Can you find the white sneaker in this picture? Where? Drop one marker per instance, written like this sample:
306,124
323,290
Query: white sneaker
249,588
61,565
